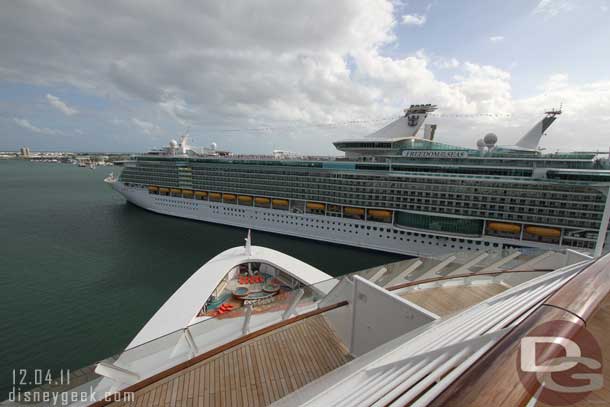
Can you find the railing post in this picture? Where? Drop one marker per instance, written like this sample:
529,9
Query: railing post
191,342
297,297
116,373
246,327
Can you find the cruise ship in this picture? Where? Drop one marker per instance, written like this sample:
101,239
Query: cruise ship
398,190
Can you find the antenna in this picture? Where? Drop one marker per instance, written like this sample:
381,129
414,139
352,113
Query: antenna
554,112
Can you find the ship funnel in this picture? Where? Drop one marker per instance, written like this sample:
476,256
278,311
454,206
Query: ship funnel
406,126
531,140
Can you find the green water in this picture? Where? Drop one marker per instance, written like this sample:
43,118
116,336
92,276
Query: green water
81,271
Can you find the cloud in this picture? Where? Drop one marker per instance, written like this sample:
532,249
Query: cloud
496,38
414,19
24,123
445,63
146,127
551,8
246,65
60,105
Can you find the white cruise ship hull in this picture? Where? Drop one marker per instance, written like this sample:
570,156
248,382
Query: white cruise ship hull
352,232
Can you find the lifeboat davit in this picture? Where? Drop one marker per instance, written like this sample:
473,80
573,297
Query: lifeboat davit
504,227
542,231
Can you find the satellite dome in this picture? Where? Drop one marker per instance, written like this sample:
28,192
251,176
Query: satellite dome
490,139
480,143
213,146
173,144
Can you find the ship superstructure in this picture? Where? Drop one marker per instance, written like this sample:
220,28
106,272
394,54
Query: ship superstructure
393,191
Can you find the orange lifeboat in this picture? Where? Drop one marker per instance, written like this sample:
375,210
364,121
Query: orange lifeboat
353,211
504,227
228,197
380,213
262,201
201,194
215,195
176,191
187,192
280,202
244,198
164,190
542,231
316,206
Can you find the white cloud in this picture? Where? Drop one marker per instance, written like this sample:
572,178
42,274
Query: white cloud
551,8
585,107
24,123
414,19
218,67
445,63
146,127
60,105
496,38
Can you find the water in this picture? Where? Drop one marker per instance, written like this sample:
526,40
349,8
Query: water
81,271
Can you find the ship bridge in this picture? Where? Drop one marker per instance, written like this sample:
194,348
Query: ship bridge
388,140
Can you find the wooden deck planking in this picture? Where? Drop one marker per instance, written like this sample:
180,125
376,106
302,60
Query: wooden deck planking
255,373
447,300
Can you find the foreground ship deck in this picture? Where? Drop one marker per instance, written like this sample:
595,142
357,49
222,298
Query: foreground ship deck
393,191
255,373
425,331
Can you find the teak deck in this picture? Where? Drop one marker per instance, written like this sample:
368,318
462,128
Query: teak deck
447,300
255,373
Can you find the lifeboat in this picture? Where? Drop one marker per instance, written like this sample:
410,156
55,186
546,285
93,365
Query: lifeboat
176,191
187,192
280,202
153,188
262,201
201,194
504,227
353,211
380,213
316,206
164,190
244,198
214,195
228,197
542,231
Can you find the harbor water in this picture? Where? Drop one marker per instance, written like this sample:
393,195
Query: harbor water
82,271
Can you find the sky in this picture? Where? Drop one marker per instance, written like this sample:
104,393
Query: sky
254,76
